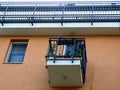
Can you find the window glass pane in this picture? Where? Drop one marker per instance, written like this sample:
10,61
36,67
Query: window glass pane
69,50
17,52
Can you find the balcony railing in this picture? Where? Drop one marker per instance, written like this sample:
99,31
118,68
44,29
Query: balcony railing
68,49
59,12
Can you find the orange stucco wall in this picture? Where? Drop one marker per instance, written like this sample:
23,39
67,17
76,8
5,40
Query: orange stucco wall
103,66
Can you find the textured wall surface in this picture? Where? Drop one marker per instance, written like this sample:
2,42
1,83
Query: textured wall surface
103,66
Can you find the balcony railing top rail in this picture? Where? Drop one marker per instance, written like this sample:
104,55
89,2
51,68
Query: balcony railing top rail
59,12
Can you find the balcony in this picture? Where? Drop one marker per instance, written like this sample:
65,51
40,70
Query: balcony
59,12
66,62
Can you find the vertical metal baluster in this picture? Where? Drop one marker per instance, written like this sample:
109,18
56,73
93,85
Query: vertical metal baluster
32,19
92,16
3,18
62,18
73,50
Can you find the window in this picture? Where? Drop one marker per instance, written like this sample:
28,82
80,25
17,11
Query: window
70,50
16,52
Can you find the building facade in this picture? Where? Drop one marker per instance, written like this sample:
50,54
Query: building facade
24,32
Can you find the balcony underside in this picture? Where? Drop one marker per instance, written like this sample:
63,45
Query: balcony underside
57,29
